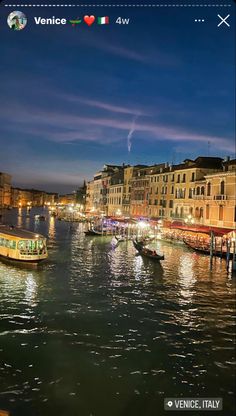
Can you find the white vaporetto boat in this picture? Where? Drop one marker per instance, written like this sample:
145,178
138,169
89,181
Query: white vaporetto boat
22,245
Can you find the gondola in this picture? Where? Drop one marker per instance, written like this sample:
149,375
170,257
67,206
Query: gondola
94,232
119,238
146,252
205,249
139,245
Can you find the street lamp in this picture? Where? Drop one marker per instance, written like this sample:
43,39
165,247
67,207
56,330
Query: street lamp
189,219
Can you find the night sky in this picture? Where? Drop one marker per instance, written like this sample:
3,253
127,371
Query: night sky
74,98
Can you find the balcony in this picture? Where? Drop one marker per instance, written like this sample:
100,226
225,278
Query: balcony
220,197
201,197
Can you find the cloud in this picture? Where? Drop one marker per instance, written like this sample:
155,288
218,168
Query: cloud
151,57
103,105
64,126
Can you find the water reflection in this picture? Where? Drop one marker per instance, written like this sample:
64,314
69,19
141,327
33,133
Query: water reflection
187,279
31,290
20,218
93,316
138,265
52,228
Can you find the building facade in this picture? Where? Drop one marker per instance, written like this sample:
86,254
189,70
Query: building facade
188,177
161,192
215,198
200,191
5,189
31,197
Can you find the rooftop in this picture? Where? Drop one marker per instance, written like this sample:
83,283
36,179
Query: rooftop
18,232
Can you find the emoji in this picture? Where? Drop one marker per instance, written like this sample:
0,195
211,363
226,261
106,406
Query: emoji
89,19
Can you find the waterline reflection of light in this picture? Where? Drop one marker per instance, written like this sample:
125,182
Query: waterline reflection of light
116,261
51,229
31,290
19,218
138,265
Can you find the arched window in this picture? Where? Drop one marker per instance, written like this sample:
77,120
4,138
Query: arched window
201,213
198,190
209,189
222,187
202,190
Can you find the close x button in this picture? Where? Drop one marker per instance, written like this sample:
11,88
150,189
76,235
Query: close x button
223,20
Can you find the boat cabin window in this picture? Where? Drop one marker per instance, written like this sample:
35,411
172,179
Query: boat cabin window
12,244
4,242
30,245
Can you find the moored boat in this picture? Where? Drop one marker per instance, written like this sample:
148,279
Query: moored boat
204,248
22,245
93,232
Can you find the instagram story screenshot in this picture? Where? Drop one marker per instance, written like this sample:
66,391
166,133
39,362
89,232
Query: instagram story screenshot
117,208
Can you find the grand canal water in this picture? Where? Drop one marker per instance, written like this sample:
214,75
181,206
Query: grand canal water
98,331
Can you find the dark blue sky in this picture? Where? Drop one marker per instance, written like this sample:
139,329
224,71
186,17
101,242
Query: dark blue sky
73,99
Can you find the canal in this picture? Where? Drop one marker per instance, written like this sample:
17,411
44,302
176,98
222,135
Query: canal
98,331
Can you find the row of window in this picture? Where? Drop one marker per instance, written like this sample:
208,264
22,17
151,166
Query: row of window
115,190
163,203
179,178
30,245
164,190
200,190
115,201
180,193
4,242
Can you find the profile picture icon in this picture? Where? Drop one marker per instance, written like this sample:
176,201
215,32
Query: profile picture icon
17,20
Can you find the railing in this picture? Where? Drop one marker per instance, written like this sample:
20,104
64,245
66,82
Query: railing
220,197
201,197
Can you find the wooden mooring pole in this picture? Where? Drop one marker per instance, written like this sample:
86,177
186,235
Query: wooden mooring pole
211,249
227,254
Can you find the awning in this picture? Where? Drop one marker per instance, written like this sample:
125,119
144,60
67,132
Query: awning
202,229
